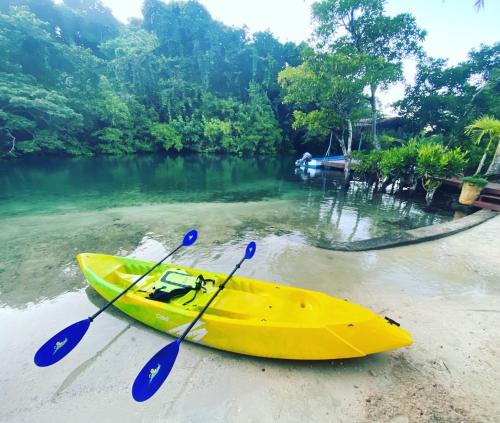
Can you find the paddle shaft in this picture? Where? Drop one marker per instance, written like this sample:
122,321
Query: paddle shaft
221,287
133,284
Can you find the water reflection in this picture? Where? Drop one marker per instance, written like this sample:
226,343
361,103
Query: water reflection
59,184
335,215
318,207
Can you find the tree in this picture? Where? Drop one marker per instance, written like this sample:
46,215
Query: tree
438,100
73,80
132,62
327,89
256,125
484,68
445,99
493,171
39,119
385,41
86,23
487,128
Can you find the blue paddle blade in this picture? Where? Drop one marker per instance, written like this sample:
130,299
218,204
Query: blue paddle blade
61,344
250,251
154,373
190,238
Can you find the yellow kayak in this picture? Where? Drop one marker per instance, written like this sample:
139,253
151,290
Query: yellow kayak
249,316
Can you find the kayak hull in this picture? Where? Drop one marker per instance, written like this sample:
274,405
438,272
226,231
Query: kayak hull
249,316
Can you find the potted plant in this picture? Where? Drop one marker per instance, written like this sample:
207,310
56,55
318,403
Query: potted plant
471,188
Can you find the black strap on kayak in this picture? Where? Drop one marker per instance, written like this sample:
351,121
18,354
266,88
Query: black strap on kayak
166,296
201,281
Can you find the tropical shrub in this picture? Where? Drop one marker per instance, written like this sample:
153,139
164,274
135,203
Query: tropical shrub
399,163
418,160
366,165
434,163
388,141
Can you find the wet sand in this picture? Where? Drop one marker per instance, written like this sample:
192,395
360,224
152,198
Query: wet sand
445,292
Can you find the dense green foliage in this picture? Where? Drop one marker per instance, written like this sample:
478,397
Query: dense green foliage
383,41
358,48
442,103
74,80
420,160
326,89
446,99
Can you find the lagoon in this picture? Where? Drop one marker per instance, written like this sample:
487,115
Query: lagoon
315,207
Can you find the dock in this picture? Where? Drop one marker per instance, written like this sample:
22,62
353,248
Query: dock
489,197
337,164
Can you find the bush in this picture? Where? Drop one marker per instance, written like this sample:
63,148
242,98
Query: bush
434,160
399,162
166,135
422,159
366,165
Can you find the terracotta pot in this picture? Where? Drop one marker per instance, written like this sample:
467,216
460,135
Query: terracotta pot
469,193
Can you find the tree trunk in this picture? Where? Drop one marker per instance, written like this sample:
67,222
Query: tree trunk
373,103
348,155
494,168
385,184
429,196
481,163
414,184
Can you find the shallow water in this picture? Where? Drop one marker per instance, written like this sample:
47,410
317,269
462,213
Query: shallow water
316,206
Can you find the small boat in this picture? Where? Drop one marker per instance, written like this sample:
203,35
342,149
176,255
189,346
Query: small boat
317,162
249,316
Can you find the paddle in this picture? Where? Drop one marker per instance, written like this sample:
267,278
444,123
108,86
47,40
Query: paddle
157,369
63,342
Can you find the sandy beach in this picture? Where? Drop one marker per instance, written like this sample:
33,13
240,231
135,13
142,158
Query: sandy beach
445,292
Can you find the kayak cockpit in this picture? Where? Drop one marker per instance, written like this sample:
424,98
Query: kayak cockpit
242,299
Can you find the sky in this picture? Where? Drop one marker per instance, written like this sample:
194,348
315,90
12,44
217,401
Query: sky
454,27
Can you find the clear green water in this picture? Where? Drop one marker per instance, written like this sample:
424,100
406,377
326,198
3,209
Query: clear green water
315,205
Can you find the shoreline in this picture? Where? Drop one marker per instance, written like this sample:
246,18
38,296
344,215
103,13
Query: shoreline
415,236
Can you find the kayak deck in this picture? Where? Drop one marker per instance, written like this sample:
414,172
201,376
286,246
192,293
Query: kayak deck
249,316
